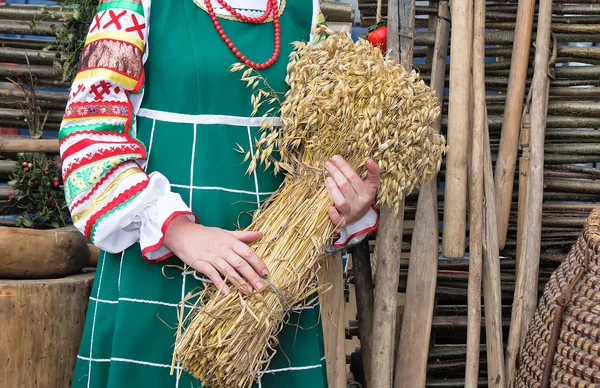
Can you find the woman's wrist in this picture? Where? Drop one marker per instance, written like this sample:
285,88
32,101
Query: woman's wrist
175,230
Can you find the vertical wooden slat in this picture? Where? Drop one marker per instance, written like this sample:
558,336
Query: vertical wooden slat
411,368
509,138
455,195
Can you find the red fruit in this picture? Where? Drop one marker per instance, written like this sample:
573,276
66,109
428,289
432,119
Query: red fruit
46,169
25,164
30,210
378,36
10,195
56,184
53,162
36,182
26,169
33,226
56,179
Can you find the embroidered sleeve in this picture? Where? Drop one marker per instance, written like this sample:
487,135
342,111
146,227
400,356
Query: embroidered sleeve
112,200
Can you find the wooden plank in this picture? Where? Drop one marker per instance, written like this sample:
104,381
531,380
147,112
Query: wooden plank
332,313
411,367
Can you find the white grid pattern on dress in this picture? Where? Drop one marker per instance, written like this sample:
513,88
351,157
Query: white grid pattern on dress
94,323
200,119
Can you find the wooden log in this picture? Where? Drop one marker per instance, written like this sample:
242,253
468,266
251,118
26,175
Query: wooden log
20,124
24,56
363,287
42,325
57,97
18,114
39,254
556,27
573,186
27,28
27,71
29,145
33,44
35,12
389,239
411,368
455,198
509,138
332,313
507,37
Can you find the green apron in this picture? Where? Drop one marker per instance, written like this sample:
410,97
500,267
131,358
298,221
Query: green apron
190,126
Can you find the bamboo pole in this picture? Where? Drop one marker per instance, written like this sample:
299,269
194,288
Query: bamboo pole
363,287
476,197
411,368
455,198
389,240
509,138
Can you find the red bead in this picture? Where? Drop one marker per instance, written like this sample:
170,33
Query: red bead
252,64
243,58
238,54
228,41
235,50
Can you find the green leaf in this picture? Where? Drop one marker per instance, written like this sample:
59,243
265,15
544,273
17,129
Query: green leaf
11,183
18,221
55,224
27,222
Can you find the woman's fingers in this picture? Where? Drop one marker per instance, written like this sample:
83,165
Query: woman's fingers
335,217
373,175
345,186
207,269
246,253
246,236
339,199
242,267
231,274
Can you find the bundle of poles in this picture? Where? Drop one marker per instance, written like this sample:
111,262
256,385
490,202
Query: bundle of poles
521,98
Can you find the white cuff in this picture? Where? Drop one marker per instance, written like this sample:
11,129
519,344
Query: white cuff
355,232
155,221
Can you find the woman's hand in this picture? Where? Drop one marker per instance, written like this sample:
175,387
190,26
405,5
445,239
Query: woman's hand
352,197
217,253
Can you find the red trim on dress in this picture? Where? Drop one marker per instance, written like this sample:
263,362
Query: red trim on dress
137,151
163,229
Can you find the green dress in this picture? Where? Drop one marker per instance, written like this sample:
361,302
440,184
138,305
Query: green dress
187,128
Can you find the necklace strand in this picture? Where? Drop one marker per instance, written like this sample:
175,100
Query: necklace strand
270,9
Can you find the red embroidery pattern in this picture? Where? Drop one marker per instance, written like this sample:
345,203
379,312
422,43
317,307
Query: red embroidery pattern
136,27
97,109
115,19
97,20
132,150
118,200
100,89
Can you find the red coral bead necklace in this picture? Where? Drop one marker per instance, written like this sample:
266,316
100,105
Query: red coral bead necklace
271,9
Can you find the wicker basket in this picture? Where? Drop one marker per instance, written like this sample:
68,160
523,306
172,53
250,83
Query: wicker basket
572,299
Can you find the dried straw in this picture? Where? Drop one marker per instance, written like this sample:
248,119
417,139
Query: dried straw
344,99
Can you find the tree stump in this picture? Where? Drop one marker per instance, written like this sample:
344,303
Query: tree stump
41,325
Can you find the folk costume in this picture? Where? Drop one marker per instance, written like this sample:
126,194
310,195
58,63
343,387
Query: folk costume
149,134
